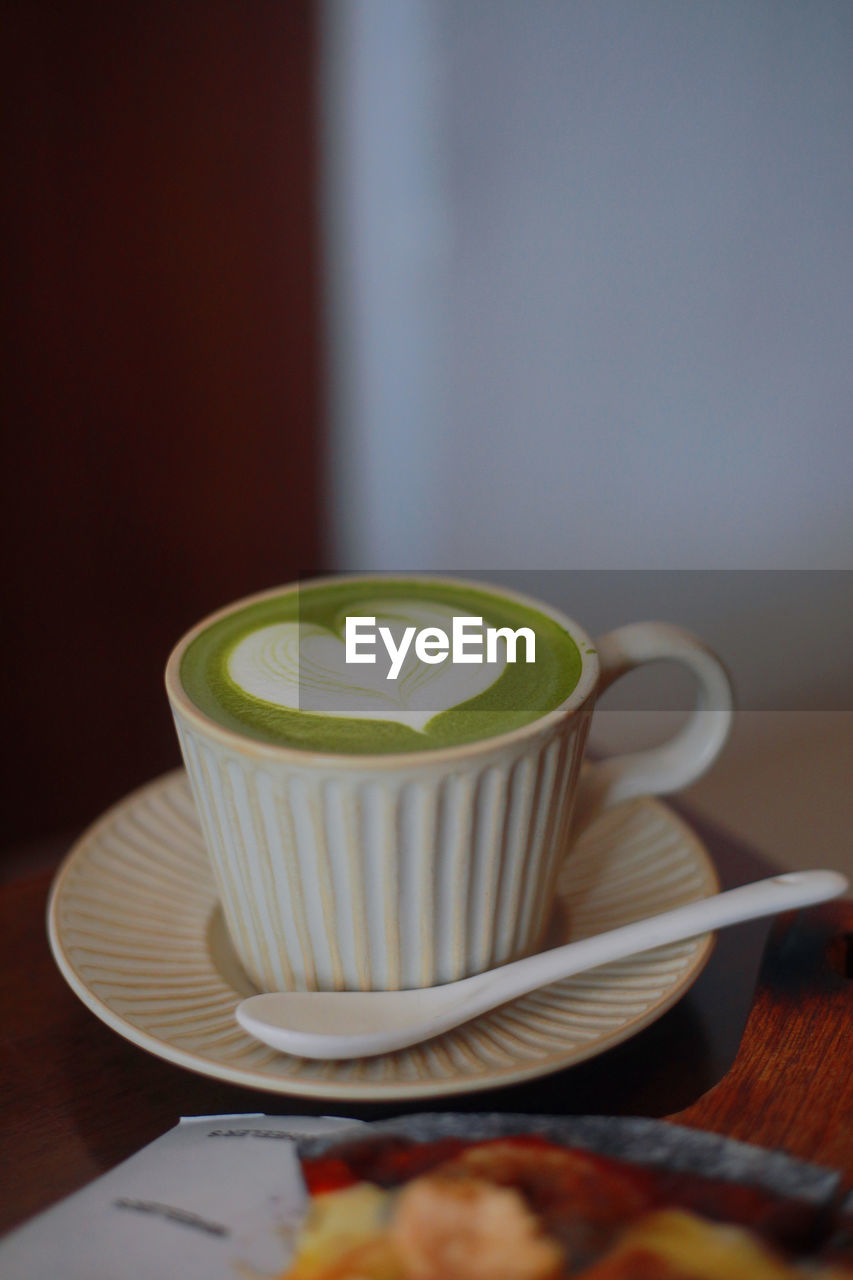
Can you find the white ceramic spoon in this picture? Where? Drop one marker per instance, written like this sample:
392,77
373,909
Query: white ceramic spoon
358,1024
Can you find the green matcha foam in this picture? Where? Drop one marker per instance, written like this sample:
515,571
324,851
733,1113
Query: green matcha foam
274,669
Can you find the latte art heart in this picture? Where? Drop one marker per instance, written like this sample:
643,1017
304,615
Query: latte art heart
300,666
276,668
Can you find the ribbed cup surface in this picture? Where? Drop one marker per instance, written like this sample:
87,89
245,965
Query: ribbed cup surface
356,878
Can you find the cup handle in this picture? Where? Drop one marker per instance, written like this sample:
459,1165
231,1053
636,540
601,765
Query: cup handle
693,749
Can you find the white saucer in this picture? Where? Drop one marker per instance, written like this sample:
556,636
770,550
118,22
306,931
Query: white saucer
137,932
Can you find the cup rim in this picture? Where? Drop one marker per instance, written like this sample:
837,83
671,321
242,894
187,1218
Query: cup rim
582,693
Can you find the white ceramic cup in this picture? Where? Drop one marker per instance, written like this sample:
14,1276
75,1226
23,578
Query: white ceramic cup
354,872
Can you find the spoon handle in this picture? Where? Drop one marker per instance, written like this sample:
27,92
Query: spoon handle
762,898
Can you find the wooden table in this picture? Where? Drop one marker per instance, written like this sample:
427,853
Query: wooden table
77,1098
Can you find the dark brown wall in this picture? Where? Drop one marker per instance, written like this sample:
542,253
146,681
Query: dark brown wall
162,380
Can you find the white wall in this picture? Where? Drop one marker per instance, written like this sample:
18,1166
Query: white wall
387,246
591,282
590,301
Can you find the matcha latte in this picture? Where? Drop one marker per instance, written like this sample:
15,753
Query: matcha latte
386,769
276,668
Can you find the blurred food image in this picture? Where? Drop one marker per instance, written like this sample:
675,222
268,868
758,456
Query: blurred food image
524,1208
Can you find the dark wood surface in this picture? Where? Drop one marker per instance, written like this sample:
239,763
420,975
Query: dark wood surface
791,1085
77,1098
162,365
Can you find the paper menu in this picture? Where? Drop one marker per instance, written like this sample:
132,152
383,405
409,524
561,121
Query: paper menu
215,1198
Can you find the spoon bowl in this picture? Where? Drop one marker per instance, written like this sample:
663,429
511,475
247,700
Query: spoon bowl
356,1024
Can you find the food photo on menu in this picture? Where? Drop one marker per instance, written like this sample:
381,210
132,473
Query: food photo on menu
430,606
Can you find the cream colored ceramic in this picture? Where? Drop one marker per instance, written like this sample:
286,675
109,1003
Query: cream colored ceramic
358,1024
346,872
137,931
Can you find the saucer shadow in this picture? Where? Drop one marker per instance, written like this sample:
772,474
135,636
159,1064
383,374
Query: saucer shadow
224,957
558,931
